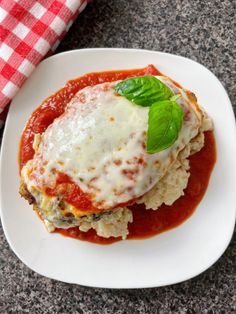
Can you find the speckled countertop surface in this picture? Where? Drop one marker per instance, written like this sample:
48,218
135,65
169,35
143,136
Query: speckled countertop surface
203,31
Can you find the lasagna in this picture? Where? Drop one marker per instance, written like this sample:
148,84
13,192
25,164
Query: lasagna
91,163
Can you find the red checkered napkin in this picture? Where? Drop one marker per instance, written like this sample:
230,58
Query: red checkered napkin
28,31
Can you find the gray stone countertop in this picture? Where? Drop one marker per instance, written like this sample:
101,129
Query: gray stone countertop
203,31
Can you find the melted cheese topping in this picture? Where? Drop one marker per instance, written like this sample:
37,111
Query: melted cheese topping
99,142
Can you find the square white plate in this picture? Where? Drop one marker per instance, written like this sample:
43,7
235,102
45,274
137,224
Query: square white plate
168,258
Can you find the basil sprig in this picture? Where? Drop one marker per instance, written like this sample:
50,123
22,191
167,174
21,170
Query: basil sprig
165,117
164,123
143,90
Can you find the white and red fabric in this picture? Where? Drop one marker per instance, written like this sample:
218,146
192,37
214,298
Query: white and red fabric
29,30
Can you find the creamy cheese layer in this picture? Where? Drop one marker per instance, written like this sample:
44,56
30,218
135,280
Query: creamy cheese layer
100,143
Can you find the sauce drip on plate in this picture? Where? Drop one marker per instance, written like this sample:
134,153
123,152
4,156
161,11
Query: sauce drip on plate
146,223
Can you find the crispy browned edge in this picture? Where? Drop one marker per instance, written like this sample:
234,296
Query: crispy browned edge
25,193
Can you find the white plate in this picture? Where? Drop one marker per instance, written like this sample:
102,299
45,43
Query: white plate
168,258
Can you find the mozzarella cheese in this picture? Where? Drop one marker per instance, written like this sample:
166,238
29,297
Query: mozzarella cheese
99,142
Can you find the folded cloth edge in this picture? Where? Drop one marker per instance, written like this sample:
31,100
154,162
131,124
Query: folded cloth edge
29,31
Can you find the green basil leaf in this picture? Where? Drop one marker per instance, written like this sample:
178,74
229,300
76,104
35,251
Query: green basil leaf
165,121
143,90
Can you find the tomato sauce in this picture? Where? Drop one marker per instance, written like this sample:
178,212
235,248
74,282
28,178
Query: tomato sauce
71,193
146,223
149,222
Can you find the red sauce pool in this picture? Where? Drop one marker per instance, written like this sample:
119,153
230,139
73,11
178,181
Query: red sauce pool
146,223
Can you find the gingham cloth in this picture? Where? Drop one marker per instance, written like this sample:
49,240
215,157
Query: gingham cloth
29,30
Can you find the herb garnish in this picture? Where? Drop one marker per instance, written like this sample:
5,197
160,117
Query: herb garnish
165,117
